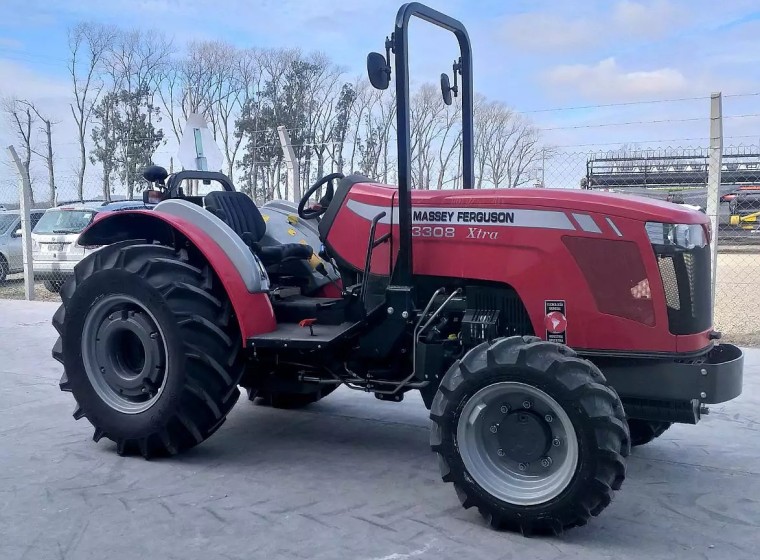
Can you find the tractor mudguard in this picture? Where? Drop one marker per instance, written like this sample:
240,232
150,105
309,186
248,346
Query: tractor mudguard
243,278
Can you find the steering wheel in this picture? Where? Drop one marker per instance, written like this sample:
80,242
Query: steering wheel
321,207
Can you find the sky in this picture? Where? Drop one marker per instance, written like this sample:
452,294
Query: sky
584,71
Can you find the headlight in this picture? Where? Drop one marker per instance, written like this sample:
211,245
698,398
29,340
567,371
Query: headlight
685,236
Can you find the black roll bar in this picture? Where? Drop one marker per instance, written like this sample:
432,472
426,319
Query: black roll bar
175,180
402,274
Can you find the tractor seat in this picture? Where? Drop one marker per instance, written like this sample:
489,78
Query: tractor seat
239,212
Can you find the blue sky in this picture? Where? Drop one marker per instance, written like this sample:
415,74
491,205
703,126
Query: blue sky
532,55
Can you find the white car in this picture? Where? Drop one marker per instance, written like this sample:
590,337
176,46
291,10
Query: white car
54,240
11,253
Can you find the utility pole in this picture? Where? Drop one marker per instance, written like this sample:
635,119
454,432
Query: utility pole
543,166
713,177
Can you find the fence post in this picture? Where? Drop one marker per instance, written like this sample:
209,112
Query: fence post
294,171
713,177
25,202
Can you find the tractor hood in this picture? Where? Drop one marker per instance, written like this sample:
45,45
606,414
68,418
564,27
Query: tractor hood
611,204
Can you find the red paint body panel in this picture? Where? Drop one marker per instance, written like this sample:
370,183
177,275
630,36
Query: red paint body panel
533,260
332,290
253,311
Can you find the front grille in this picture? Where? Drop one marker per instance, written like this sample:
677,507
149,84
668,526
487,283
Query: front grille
686,279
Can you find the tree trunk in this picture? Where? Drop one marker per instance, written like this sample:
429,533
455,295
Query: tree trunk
51,174
82,167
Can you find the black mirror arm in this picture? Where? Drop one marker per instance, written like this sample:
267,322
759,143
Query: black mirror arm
457,70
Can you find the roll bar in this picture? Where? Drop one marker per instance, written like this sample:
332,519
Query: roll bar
175,180
398,43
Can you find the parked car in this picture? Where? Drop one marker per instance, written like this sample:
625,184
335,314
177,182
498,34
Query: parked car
11,255
54,240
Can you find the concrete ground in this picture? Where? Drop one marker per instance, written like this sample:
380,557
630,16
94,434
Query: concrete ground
349,478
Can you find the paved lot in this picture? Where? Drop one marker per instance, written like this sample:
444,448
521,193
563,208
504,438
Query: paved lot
351,478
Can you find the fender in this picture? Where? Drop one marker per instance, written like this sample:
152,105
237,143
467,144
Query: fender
243,277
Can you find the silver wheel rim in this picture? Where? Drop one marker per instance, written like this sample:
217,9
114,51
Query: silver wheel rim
485,442
124,353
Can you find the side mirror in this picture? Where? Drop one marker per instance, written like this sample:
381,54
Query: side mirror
155,174
17,233
152,197
378,71
446,89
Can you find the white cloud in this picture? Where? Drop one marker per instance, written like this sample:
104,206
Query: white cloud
606,81
12,44
541,31
570,27
17,80
650,20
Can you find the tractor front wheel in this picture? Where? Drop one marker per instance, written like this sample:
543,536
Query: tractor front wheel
529,434
150,349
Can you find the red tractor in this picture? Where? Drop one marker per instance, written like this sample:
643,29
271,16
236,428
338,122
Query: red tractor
547,331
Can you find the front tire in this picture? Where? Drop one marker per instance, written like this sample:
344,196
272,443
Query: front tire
529,434
149,346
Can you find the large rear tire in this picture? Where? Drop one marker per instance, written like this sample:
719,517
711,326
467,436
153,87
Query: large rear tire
4,269
644,431
529,434
150,349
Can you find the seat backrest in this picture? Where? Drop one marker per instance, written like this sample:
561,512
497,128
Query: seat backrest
238,211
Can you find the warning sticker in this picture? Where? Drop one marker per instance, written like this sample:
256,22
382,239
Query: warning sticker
555,321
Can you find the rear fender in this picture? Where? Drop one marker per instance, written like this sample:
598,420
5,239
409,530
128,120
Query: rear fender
240,272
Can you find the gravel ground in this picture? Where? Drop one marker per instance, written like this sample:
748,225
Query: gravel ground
13,288
736,294
351,478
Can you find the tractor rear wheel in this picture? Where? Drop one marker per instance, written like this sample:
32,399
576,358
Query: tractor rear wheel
644,431
529,434
287,400
149,346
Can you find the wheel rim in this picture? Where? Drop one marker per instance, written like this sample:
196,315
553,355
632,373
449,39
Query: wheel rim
517,443
124,353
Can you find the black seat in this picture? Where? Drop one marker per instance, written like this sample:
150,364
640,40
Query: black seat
239,212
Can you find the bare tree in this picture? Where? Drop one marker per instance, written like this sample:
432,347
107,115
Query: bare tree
427,112
237,76
47,154
135,63
22,120
500,138
525,152
88,43
366,97
506,145
322,107
451,141
484,113
386,127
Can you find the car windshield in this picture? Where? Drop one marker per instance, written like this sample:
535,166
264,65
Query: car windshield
64,221
6,221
